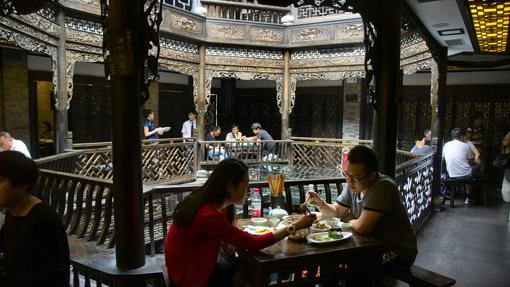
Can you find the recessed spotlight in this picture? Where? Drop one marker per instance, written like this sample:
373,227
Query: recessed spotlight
440,25
449,32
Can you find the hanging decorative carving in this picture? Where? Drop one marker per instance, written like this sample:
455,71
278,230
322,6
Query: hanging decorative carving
329,76
249,76
71,58
150,50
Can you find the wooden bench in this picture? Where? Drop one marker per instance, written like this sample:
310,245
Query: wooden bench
454,184
418,277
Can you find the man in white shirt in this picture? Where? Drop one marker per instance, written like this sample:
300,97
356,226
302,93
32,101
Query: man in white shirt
189,125
456,154
7,142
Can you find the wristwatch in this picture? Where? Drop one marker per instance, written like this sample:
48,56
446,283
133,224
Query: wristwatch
291,229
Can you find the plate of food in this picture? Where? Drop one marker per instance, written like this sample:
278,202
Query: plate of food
258,230
328,237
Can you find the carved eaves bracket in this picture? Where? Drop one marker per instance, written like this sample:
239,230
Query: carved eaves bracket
278,78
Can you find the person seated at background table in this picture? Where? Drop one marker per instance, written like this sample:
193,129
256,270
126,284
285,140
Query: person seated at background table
456,156
7,142
421,145
214,150
260,134
202,222
46,134
371,203
235,134
32,239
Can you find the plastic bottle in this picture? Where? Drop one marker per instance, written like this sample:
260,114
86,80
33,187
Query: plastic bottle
310,188
256,202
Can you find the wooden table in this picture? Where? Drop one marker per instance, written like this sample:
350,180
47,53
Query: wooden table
291,257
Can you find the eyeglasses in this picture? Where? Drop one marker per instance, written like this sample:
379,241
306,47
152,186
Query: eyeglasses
356,178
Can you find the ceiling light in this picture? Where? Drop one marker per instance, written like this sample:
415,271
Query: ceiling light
449,32
490,22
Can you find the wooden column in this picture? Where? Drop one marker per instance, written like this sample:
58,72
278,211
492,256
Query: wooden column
285,96
61,123
201,100
438,122
125,22
387,77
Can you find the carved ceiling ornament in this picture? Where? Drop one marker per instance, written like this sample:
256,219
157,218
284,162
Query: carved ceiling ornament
226,31
13,24
169,53
349,32
84,37
248,76
244,62
185,24
41,23
173,20
309,34
262,34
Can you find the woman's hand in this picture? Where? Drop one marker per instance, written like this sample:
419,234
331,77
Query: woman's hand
314,199
305,221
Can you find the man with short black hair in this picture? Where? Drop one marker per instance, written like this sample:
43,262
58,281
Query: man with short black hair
261,134
214,150
456,154
33,240
189,125
372,204
7,142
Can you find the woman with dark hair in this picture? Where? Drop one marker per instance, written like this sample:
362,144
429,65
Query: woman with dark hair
203,222
150,132
33,240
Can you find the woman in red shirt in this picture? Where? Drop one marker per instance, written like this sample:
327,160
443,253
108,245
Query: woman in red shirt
203,221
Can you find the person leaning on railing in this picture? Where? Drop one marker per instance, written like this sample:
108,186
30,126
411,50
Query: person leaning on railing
371,203
33,240
202,222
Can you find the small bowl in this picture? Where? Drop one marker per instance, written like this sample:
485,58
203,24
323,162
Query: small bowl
259,221
321,228
331,221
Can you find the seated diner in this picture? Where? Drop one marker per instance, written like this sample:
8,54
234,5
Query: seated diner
371,203
203,225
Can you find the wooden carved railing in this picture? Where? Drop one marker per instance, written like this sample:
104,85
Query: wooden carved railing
326,152
322,152
162,160
244,11
85,204
414,179
249,151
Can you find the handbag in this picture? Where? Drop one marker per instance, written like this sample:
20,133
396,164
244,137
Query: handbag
502,160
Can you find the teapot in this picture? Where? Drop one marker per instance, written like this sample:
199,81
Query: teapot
278,213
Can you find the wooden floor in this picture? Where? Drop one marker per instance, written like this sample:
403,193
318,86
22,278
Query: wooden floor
468,243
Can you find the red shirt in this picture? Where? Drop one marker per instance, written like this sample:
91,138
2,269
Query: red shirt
191,252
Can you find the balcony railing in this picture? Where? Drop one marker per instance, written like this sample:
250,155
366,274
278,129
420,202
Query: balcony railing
244,11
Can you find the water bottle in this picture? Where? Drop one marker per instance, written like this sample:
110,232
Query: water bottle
310,188
256,202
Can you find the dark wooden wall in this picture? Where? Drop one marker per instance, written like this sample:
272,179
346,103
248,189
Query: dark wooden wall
318,112
493,101
90,111
175,102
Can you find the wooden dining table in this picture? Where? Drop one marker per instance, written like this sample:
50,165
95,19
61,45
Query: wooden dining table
295,263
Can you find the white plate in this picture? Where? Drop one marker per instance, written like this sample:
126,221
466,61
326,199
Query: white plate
166,129
258,230
315,238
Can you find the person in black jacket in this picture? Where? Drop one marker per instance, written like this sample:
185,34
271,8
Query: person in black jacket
33,241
